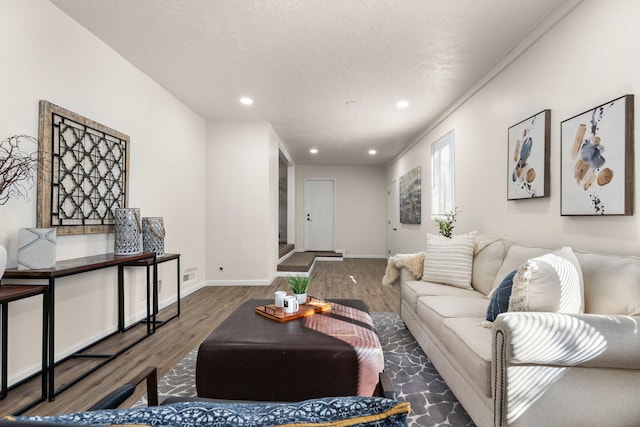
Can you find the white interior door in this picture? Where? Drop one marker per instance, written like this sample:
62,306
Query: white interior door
393,213
319,214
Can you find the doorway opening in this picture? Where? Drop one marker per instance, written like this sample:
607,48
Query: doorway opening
284,245
393,215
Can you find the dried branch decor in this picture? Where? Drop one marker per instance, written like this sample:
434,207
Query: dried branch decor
17,167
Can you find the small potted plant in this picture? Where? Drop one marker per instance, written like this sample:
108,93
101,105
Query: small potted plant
445,223
299,285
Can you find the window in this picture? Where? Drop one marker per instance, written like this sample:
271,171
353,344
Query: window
442,179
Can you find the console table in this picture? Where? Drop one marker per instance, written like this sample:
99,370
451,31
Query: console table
76,266
149,263
9,293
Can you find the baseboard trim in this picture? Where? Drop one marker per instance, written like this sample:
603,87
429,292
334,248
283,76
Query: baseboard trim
266,282
365,256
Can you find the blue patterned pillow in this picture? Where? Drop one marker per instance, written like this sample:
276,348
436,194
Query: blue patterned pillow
500,298
343,411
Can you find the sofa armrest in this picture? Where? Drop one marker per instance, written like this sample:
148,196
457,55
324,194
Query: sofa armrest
404,266
587,340
407,276
565,369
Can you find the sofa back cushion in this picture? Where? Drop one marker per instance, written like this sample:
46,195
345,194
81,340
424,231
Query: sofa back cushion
488,256
611,283
516,255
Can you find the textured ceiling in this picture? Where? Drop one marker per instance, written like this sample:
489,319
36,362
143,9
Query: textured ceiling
326,73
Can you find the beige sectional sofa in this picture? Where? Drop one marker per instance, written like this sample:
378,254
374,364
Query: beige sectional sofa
534,368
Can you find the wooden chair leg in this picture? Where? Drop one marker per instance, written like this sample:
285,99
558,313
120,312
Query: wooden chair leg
117,397
385,388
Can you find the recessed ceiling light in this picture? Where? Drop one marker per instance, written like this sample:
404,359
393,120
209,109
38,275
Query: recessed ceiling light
314,151
246,100
402,104
372,152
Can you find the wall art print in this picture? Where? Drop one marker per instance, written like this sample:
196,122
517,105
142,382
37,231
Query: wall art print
84,172
411,197
528,157
597,160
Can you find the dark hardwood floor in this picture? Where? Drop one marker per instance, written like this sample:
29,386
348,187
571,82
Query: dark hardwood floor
202,311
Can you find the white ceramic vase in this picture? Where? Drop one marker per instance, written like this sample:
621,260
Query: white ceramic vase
3,260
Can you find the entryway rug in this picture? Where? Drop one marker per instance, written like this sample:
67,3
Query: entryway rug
411,373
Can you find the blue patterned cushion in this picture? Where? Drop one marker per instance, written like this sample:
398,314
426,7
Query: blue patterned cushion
500,298
343,411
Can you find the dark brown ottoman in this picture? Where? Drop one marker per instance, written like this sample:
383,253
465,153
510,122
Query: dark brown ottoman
251,357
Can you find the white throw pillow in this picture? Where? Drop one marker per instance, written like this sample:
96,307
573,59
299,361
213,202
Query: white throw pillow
550,282
449,261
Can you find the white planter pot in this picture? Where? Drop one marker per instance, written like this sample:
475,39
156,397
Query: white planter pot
301,298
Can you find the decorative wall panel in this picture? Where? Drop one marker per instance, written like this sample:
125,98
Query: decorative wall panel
83,172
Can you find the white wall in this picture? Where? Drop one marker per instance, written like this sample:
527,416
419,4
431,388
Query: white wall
361,207
242,203
47,55
588,58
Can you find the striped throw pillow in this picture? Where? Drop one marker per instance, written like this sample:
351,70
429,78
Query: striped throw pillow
449,261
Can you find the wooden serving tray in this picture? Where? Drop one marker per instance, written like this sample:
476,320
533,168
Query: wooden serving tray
313,305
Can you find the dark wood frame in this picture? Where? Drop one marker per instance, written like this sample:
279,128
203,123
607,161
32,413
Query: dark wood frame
546,144
628,152
46,170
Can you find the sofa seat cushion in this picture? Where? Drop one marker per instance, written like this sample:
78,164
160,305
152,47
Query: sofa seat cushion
432,310
471,345
412,290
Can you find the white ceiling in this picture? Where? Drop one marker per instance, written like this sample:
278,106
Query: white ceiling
326,73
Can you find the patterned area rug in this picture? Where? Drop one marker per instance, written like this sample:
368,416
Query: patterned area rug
411,373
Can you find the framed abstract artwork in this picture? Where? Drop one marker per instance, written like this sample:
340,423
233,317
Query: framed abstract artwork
597,160
528,157
411,197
